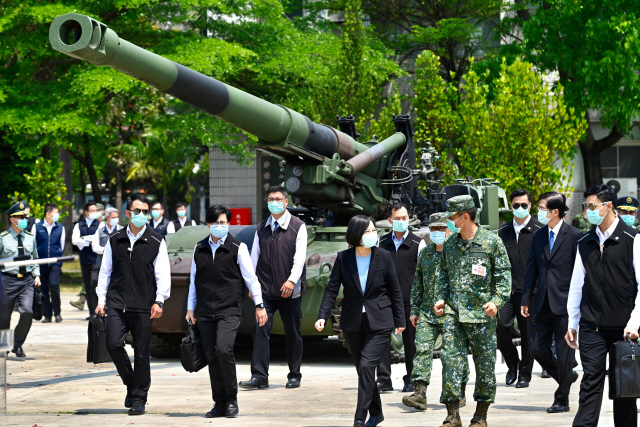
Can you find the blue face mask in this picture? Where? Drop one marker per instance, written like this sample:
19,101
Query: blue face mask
520,213
55,217
628,219
438,237
594,216
113,222
156,214
400,226
451,225
542,217
23,223
276,207
219,231
369,240
182,213
138,220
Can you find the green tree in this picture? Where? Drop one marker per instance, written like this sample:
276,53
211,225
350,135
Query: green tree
521,133
594,46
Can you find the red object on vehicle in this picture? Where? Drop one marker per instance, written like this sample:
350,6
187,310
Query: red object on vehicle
240,216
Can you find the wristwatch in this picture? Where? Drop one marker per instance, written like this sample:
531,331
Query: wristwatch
261,305
159,304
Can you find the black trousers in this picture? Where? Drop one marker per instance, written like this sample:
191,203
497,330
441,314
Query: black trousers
20,291
366,347
409,342
50,278
509,313
119,323
92,298
92,302
548,327
290,310
594,347
218,337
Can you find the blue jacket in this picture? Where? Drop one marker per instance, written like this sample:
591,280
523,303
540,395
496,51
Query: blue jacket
49,245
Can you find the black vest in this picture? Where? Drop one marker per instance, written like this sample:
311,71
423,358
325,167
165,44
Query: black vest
405,260
518,249
87,256
162,226
276,258
133,282
219,283
610,288
177,226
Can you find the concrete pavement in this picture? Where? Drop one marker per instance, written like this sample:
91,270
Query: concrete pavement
54,386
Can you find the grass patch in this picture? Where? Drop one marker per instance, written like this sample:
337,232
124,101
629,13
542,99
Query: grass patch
71,277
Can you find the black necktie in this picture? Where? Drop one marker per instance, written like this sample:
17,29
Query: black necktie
21,270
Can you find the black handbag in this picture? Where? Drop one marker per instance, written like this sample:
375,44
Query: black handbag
191,351
37,306
97,347
624,370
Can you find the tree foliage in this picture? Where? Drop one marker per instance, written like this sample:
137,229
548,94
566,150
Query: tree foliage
521,132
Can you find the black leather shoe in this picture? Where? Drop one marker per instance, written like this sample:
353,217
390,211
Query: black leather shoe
374,421
557,408
574,377
46,320
409,387
93,316
512,375
219,410
128,400
359,423
545,374
19,352
254,383
522,382
137,408
58,318
293,383
231,409
382,387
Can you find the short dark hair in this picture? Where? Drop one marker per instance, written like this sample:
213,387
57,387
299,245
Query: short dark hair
356,228
140,197
49,207
278,189
555,200
214,212
157,203
518,193
396,206
181,205
88,205
471,212
603,192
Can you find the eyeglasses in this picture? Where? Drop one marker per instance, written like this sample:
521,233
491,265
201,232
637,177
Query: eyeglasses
278,199
140,211
19,216
592,206
520,205
220,223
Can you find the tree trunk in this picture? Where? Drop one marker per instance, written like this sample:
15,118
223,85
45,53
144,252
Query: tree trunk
119,185
93,176
64,156
46,151
83,186
591,149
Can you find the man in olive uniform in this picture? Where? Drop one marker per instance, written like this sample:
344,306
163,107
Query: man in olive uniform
473,284
627,208
428,325
580,221
18,282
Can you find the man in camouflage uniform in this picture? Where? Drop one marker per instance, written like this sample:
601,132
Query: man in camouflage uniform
580,221
428,325
473,284
627,208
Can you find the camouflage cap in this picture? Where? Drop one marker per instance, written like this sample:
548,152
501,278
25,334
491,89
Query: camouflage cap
457,204
437,220
100,206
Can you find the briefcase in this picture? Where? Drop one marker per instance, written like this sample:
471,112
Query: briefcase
624,370
37,306
191,351
97,348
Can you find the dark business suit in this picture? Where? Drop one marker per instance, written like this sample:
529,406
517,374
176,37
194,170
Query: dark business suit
367,334
552,270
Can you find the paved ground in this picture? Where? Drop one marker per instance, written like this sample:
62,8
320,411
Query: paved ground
54,386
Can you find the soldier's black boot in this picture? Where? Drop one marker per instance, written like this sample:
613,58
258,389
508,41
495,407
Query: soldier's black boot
418,399
480,417
453,415
463,395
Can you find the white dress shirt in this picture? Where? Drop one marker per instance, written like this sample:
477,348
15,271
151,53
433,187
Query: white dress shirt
84,241
397,242
171,228
49,227
519,228
579,272
156,222
299,257
95,244
246,269
160,265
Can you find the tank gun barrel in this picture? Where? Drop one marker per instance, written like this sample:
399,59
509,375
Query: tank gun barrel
363,160
288,132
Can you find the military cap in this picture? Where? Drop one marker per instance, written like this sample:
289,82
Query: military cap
437,220
627,203
100,206
457,204
17,209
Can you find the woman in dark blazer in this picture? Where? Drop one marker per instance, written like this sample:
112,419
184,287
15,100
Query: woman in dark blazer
371,307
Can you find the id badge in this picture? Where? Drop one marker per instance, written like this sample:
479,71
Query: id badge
479,270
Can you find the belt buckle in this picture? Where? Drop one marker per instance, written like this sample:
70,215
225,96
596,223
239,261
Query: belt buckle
20,276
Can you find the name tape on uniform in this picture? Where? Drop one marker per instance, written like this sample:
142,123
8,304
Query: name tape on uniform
479,270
